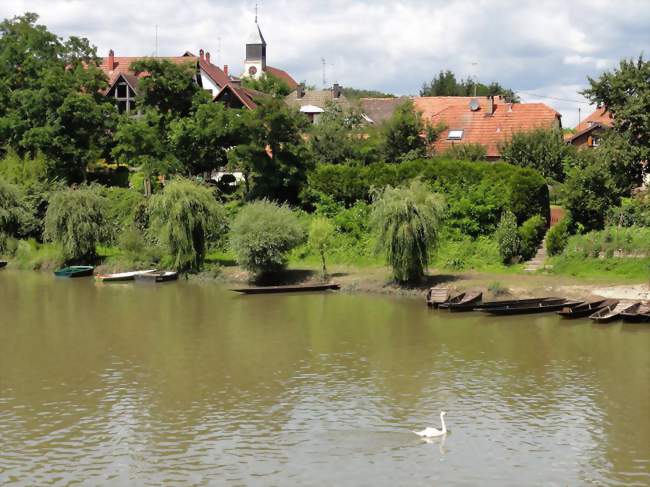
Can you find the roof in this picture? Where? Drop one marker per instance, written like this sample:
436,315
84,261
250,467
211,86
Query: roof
131,80
600,116
378,110
246,95
311,109
255,36
122,64
317,98
479,127
283,75
215,73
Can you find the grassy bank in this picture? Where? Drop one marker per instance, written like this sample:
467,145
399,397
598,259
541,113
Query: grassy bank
612,269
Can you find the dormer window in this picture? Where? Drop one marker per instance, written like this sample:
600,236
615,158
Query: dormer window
123,95
455,135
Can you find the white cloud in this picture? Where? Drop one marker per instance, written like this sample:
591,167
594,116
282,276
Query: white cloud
544,46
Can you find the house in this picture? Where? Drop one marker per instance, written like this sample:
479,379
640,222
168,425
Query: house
255,62
313,102
588,133
485,120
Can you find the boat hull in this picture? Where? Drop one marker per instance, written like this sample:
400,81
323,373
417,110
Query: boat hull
122,276
585,310
155,277
287,289
75,271
3,263
530,309
609,314
517,303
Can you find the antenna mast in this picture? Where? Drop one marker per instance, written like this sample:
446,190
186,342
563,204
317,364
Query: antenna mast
322,60
156,40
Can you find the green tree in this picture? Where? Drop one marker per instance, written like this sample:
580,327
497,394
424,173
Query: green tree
446,84
541,149
467,152
336,139
407,222
558,236
15,215
262,235
267,83
76,220
186,217
274,158
531,234
321,235
625,92
201,140
508,238
402,135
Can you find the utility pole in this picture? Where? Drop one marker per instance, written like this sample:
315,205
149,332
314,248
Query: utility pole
156,40
579,110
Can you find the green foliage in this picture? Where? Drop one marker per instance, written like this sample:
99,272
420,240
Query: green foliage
633,211
169,88
321,234
76,221
186,217
31,255
122,206
622,160
267,83
15,216
402,135
262,235
466,152
589,191
531,234
625,91
631,241
407,221
508,238
354,94
497,289
541,149
446,84
558,236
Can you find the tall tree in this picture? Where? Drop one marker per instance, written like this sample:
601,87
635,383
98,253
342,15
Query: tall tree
403,134
267,83
446,84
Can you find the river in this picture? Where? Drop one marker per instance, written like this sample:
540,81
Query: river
189,384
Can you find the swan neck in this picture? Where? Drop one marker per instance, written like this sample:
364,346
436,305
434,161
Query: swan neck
444,426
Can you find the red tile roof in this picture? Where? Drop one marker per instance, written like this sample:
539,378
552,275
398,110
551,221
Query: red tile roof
479,127
283,75
122,64
601,116
246,95
214,72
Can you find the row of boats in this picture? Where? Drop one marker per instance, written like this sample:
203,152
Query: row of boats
601,310
150,275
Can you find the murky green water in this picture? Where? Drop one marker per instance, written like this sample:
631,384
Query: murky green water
188,384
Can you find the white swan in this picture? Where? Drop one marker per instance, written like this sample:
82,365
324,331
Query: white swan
433,432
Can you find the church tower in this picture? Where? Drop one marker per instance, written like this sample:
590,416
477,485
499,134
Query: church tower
255,63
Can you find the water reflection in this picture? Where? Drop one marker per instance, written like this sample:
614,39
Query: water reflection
183,383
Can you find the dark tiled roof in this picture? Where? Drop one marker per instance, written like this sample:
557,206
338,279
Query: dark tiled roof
283,75
380,109
318,98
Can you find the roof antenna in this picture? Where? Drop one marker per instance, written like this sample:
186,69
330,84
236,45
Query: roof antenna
218,50
156,40
322,60
256,13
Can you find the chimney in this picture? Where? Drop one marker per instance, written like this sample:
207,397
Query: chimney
201,54
225,69
490,107
111,60
336,90
300,90
207,56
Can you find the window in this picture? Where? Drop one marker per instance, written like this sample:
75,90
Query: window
595,141
455,135
124,97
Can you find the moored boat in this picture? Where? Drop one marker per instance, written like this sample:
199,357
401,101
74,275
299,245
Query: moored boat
611,313
639,315
3,263
157,276
585,309
463,302
75,271
121,276
517,302
532,308
437,295
286,289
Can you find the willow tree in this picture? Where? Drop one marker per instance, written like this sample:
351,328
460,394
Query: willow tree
76,220
186,217
407,222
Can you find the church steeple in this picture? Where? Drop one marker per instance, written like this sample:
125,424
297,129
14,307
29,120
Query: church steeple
255,62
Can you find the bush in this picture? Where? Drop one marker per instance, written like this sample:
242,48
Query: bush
558,236
632,212
186,217
531,234
467,152
15,216
508,238
407,221
321,233
262,235
122,208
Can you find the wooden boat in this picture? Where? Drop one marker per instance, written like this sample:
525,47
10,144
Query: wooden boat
640,315
121,276
436,296
157,276
517,302
286,289
611,313
463,302
75,271
3,263
532,308
585,309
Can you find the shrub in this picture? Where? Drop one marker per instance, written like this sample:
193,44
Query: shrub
321,233
531,234
76,220
407,221
558,236
508,238
262,235
186,217
497,289
122,208
15,216
467,152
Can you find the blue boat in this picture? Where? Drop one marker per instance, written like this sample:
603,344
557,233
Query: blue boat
75,271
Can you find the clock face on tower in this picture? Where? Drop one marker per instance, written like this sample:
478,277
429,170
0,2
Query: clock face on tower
252,70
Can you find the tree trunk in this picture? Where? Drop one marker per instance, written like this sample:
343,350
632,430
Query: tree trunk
322,256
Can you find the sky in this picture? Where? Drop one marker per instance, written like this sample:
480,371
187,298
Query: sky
540,48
